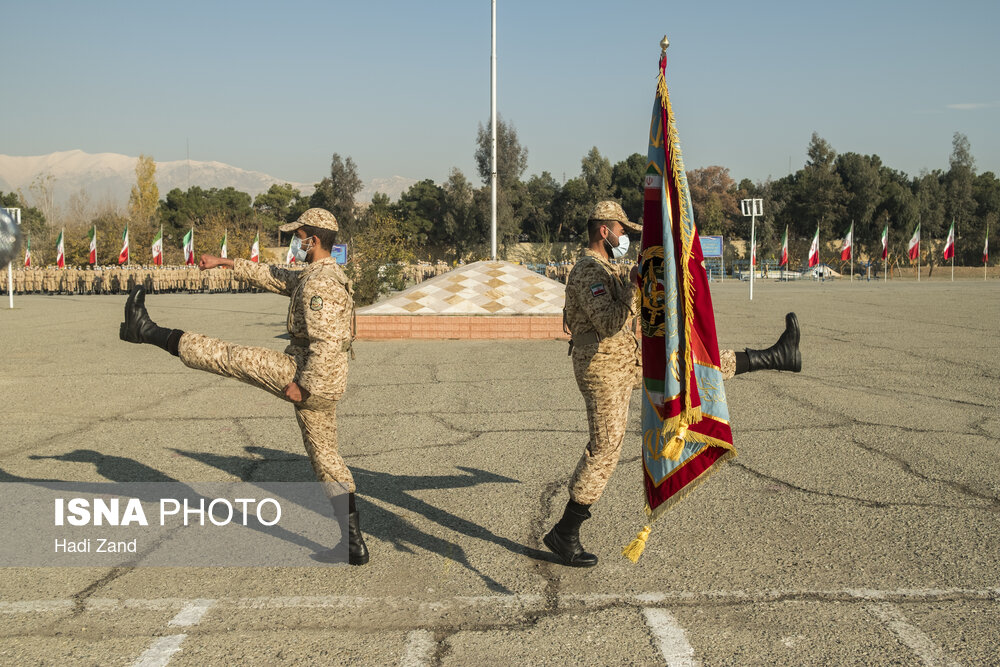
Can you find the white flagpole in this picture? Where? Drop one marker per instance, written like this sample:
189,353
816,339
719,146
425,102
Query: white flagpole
493,132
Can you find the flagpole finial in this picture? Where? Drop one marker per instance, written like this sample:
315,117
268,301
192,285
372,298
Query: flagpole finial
664,43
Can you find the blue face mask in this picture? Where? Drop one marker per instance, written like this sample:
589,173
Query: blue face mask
621,249
299,250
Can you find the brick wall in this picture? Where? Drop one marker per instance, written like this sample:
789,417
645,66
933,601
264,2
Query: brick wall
385,327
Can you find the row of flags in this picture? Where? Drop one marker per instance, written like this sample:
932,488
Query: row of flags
913,246
156,248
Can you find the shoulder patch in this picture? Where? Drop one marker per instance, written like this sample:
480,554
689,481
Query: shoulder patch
316,303
597,289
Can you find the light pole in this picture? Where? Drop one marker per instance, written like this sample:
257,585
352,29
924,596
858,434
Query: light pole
751,209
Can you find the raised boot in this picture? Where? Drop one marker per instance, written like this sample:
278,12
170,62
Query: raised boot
564,538
783,355
139,328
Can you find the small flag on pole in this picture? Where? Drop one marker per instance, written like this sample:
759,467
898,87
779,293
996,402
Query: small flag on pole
157,248
224,247
290,255
913,248
885,242
93,246
986,247
814,250
189,247
27,252
255,249
60,251
949,245
845,252
123,255
784,248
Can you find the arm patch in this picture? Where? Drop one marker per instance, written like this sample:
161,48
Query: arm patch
316,303
597,289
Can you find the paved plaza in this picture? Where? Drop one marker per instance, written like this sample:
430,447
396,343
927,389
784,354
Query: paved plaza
860,523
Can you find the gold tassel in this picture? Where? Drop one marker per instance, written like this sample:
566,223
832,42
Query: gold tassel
636,546
673,448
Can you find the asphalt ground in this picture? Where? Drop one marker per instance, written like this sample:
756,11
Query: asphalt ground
859,524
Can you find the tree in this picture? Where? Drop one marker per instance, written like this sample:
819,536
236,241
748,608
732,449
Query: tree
420,210
627,180
959,184
512,158
145,196
538,210
337,191
276,206
862,179
377,253
713,197
818,196
595,169
459,220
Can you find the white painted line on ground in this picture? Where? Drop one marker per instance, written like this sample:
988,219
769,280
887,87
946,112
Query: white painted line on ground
160,652
929,653
419,650
35,606
670,637
191,614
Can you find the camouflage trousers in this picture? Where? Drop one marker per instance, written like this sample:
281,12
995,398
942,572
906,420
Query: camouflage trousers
272,371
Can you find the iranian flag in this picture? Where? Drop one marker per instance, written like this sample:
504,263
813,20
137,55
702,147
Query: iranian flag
93,246
885,242
814,250
290,256
784,249
753,255
913,249
845,252
189,247
157,248
255,249
224,246
123,255
27,252
60,251
949,245
986,247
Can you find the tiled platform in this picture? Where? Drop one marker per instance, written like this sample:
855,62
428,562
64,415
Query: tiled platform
482,300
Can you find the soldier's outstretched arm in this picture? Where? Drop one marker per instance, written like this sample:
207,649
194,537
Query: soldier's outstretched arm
266,277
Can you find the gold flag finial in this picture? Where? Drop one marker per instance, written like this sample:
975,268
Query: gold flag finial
664,43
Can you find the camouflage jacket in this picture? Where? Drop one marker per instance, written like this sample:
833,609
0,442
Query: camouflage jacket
601,303
319,319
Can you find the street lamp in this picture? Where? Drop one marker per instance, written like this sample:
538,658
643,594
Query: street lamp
751,209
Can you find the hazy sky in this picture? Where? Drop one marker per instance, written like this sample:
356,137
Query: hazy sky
401,86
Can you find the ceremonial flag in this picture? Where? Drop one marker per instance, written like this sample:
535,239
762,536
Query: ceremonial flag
123,255
255,249
93,246
224,248
27,252
157,248
814,250
784,248
290,256
949,245
845,252
189,247
685,418
913,248
60,251
885,242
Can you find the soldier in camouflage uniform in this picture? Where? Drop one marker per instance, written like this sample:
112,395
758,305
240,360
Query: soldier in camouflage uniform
601,304
312,372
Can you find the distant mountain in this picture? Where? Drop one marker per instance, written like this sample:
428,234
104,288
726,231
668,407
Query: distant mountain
109,177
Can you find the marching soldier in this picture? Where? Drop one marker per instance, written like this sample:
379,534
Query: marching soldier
311,374
601,303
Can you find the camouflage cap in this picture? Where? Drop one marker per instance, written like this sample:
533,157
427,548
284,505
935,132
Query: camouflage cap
612,212
314,217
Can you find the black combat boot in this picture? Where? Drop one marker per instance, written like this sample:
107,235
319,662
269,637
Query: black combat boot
357,550
783,355
564,538
138,328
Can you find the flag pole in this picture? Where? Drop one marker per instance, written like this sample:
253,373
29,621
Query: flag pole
493,132
954,241
852,251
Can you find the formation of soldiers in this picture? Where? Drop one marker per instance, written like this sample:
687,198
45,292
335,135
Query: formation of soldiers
120,279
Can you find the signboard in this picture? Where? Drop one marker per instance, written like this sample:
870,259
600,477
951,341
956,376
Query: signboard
711,246
339,253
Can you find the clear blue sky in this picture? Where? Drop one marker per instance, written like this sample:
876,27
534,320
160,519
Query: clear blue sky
401,86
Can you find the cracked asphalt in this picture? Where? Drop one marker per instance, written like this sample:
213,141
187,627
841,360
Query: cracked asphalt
869,479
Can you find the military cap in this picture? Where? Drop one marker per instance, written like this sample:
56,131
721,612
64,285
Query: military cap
611,211
314,217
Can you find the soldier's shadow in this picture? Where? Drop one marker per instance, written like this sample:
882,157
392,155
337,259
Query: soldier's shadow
394,489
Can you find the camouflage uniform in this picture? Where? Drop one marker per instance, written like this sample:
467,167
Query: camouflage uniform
319,322
600,307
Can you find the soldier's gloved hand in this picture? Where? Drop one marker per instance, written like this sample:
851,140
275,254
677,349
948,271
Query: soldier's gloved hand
295,393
